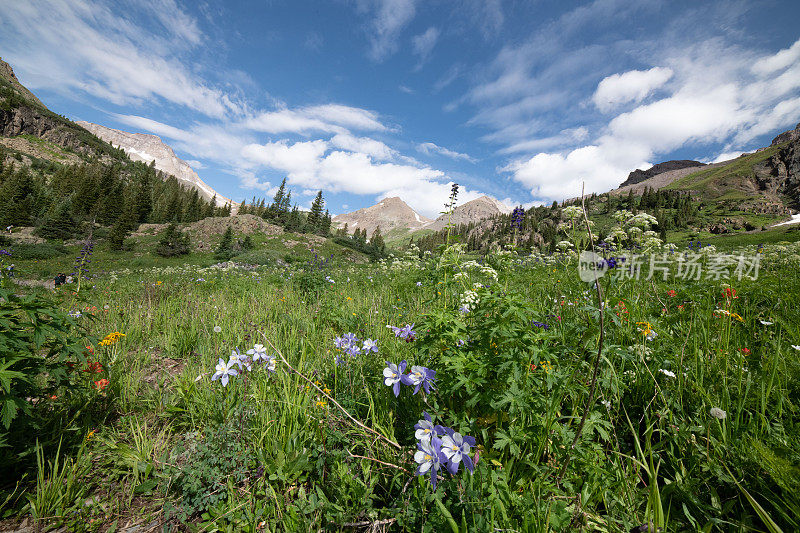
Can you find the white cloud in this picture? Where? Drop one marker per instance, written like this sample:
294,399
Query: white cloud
82,45
632,86
717,98
727,156
197,165
330,118
565,137
328,166
365,145
423,43
389,18
430,148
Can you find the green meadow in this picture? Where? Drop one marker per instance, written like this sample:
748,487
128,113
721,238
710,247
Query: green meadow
640,403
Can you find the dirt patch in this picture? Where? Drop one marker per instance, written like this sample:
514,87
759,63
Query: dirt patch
41,149
25,235
205,233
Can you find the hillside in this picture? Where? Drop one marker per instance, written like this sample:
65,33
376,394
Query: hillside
638,176
58,177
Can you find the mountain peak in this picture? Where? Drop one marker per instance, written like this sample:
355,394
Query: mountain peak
388,214
472,211
147,148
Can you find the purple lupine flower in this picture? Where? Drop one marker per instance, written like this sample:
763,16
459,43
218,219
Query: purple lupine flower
420,377
541,325
370,346
393,374
224,371
516,218
461,342
430,458
456,448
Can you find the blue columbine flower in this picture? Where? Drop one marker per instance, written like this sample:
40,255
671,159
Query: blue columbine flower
407,332
430,458
456,448
340,343
353,350
425,429
258,353
370,346
338,360
350,338
271,363
393,374
225,370
420,377
395,329
240,359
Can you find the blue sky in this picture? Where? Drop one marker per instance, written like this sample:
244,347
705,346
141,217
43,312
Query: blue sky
522,100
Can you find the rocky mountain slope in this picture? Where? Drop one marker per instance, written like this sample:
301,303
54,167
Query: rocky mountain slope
147,148
638,176
472,211
388,214
787,136
21,113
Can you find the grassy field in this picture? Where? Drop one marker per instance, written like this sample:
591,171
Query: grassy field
689,421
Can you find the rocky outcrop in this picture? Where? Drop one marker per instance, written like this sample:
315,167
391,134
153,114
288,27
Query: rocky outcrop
787,136
149,148
388,214
7,74
472,211
780,174
41,123
638,176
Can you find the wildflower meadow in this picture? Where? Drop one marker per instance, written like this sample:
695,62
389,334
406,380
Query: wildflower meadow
424,392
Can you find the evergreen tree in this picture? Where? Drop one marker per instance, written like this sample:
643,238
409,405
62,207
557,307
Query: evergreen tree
225,249
325,224
59,222
144,198
377,240
122,227
173,242
315,216
294,220
277,209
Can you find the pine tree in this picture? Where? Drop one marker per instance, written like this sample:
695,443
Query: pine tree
122,227
59,222
325,224
173,242
225,249
294,220
315,216
276,208
377,240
